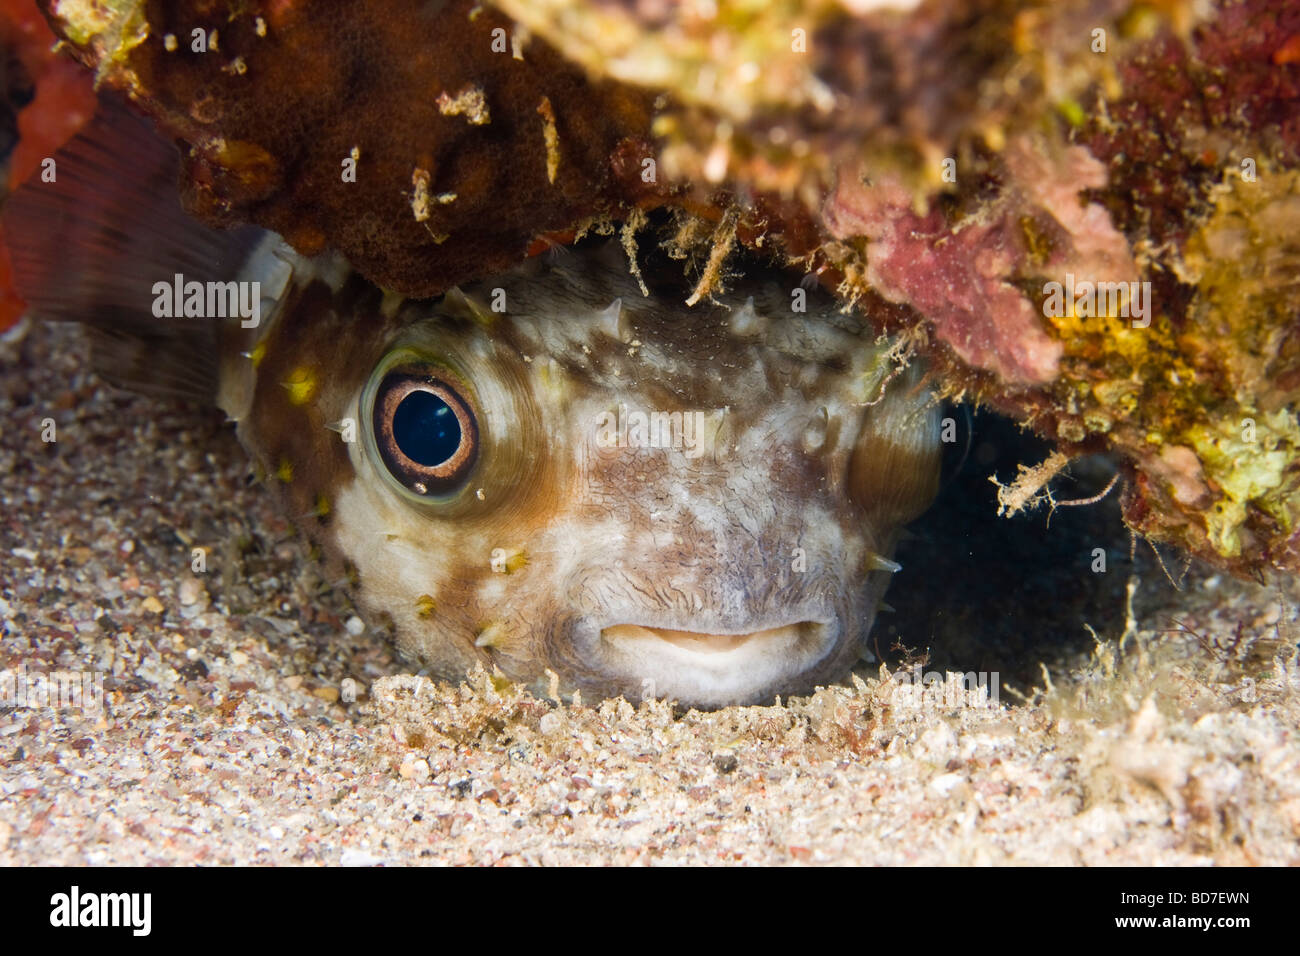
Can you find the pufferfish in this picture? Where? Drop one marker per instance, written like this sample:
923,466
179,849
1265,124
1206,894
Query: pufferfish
546,472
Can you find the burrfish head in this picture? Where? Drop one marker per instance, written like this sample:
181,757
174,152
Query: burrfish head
552,472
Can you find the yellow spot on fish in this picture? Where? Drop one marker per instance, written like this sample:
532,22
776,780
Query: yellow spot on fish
322,509
491,635
552,379
425,606
257,354
284,472
507,562
301,385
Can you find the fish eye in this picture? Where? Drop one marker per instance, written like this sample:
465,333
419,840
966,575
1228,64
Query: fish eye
425,431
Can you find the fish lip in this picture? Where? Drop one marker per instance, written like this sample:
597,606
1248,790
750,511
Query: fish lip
717,640
779,654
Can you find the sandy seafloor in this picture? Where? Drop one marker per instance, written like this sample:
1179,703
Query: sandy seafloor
223,738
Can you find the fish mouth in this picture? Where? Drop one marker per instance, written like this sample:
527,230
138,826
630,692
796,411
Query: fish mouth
784,637
715,666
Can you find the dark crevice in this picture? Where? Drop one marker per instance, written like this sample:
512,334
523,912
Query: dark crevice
983,593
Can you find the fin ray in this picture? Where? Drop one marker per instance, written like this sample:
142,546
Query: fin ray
90,246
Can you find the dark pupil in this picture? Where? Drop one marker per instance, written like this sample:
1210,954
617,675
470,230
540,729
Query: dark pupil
426,429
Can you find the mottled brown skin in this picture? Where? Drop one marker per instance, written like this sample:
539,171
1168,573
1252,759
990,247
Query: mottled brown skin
813,453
